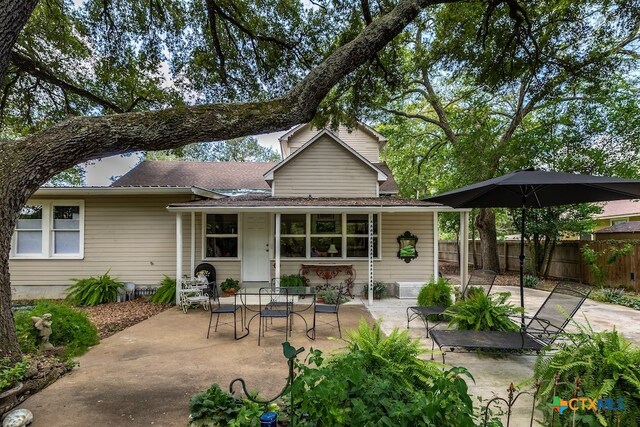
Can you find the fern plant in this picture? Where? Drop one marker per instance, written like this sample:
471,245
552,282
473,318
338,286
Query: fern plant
484,313
607,366
436,293
166,293
93,290
379,380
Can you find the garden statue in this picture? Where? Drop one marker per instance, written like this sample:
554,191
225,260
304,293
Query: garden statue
43,325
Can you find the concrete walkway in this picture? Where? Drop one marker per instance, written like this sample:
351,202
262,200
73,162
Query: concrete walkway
146,374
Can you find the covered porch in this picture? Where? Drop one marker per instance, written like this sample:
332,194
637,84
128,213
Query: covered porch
259,239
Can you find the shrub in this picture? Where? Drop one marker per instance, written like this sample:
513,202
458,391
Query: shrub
484,313
94,290
379,380
11,373
437,292
530,281
230,283
70,328
166,293
379,290
330,296
617,296
607,365
292,281
216,407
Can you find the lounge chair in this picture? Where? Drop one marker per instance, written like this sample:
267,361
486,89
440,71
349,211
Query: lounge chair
541,331
479,279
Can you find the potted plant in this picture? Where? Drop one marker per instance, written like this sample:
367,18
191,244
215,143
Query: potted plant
230,286
379,290
11,375
295,281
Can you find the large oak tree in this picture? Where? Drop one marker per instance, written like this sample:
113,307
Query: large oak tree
117,122
84,82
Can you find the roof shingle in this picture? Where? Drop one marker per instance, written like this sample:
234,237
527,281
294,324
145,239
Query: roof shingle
213,175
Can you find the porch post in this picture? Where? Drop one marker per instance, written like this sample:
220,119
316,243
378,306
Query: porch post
193,244
370,276
464,249
436,249
178,254
277,250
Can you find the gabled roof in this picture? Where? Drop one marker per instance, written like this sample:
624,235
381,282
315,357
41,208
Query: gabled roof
381,138
625,227
207,175
268,176
619,208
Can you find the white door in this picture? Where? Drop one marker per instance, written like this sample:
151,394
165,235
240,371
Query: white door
255,247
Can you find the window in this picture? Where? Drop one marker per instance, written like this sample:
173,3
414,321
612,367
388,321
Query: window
327,235
221,236
293,235
358,236
50,229
619,221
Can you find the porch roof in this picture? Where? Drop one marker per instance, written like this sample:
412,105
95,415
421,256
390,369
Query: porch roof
270,204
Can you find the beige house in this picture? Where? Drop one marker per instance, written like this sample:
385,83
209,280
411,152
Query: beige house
617,212
330,204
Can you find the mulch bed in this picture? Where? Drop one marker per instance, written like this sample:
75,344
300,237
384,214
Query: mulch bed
114,317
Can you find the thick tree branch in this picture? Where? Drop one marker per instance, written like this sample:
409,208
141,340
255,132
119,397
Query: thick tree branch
84,138
40,71
14,15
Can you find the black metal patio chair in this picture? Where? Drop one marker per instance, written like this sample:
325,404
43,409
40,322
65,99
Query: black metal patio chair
216,308
274,303
482,279
330,309
541,331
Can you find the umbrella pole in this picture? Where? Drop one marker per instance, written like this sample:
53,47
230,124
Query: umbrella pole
522,264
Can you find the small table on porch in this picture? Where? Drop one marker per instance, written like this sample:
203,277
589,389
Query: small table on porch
329,271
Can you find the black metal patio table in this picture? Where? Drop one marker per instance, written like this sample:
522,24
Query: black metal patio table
251,310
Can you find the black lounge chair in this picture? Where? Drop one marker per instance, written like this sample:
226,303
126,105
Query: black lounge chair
479,279
543,328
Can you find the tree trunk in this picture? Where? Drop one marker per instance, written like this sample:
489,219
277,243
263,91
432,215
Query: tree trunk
486,224
13,199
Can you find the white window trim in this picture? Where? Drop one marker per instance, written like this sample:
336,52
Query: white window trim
47,231
343,256
238,235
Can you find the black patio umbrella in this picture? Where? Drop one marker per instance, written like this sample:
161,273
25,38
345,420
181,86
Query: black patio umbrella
531,188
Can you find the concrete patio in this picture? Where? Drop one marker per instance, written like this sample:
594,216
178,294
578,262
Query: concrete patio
146,374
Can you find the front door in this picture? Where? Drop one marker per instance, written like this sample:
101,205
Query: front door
255,247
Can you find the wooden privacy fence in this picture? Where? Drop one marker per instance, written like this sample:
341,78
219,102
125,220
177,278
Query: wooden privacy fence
567,261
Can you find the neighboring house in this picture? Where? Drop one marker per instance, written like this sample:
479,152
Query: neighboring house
617,212
165,217
622,231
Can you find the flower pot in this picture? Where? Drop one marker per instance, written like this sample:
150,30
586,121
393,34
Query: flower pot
9,398
229,292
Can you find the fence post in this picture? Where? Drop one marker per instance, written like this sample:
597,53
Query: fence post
506,256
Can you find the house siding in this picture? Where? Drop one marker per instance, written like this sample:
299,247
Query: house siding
389,268
360,140
131,236
325,169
